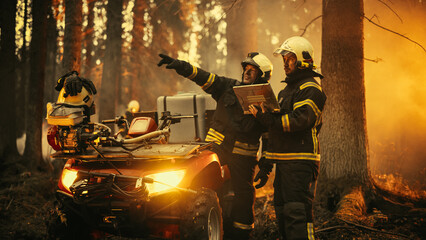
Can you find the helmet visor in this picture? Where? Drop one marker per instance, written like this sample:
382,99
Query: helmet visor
280,51
250,61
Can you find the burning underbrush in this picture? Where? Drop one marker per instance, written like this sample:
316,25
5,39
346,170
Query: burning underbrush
397,184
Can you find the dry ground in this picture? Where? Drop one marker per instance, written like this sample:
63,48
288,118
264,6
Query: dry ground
26,198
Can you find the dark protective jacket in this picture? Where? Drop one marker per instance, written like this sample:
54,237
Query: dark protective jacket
293,132
231,129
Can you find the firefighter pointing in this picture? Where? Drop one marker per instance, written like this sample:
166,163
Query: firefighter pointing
293,139
235,136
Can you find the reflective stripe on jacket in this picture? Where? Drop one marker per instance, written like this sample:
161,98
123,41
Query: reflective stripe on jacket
293,132
233,130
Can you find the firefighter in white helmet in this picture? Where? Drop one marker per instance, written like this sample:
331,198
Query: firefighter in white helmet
293,139
235,136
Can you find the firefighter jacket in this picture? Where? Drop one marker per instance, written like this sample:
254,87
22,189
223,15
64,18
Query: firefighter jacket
231,129
293,132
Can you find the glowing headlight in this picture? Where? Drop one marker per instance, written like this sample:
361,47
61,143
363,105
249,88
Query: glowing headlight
164,181
68,178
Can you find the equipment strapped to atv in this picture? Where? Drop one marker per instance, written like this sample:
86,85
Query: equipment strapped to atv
139,186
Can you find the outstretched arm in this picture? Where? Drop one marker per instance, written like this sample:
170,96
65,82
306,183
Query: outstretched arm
209,82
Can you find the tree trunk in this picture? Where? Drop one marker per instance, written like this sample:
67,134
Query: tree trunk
72,35
51,47
33,150
112,61
137,53
7,71
344,161
22,80
241,34
88,39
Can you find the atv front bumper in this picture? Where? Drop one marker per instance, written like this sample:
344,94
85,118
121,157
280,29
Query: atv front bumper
158,216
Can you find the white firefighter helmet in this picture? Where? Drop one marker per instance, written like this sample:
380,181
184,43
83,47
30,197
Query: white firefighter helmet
133,106
302,48
262,62
84,98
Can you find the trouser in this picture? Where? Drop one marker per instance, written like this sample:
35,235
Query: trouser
294,190
242,213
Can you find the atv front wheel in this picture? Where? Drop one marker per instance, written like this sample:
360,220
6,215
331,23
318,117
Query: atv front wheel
202,217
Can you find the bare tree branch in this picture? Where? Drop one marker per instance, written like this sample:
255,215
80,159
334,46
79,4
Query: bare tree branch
332,228
206,27
298,7
391,9
374,60
399,34
227,11
374,230
375,16
307,25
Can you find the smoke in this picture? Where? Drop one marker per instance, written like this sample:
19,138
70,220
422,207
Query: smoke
395,84
279,20
395,88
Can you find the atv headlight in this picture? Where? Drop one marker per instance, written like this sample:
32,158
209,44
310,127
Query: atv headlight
68,177
164,181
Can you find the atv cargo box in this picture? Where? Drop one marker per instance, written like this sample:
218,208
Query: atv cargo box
190,129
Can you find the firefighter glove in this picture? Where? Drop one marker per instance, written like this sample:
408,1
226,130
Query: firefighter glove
178,65
89,85
264,169
61,80
74,84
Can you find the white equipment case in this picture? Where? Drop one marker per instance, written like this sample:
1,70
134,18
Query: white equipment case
200,106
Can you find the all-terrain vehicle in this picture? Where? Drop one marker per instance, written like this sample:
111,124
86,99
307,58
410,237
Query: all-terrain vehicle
139,186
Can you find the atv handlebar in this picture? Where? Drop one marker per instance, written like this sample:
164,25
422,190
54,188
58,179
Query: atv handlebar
163,129
169,119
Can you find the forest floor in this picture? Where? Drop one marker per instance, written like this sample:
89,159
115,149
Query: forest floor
26,200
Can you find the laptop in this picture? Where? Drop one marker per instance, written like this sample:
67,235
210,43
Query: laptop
256,94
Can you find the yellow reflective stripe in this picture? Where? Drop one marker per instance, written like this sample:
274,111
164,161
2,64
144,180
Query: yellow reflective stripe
194,72
319,120
211,139
244,152
311,231
310,103
243,226
211,135
209,81
311,84
293,156
247,146
245,149
315,139
216,134
286,123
